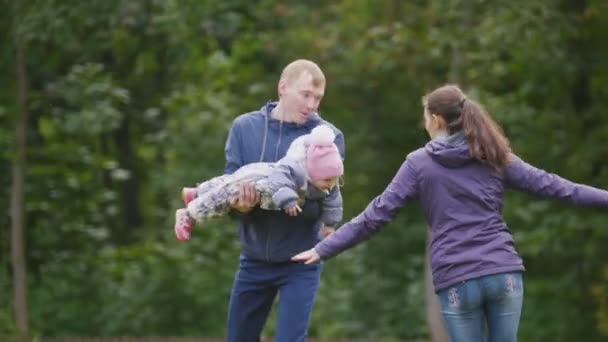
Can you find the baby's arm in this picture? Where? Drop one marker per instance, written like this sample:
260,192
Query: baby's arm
286,180
285,198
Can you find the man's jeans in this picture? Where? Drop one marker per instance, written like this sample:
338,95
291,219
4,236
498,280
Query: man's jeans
255,287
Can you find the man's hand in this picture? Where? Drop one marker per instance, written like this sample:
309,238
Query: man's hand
308,257
327,231
293,211
247,199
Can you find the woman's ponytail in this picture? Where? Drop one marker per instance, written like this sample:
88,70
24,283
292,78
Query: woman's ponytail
486,139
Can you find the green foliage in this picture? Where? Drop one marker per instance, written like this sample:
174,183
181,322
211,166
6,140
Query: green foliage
132,100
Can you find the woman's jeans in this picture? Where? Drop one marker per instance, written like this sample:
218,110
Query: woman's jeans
493,302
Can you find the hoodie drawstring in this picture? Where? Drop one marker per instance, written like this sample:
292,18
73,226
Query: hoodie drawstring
265,137
276,150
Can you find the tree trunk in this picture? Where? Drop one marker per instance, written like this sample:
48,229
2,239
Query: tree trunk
457,63
17,189
131,214
433,309
581,52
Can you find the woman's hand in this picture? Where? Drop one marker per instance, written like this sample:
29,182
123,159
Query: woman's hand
308,257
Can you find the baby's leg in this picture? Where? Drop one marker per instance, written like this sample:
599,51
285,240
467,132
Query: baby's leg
209,185
265,190
183,224
247,173
189,194
210,204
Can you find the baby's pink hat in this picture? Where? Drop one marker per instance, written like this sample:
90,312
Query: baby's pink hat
323,159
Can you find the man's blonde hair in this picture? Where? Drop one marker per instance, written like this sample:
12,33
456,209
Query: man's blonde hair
294,69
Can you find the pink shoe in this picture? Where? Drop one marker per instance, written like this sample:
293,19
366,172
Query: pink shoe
188,194
183,224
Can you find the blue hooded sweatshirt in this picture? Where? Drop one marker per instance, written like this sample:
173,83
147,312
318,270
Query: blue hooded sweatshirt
265,235
462,201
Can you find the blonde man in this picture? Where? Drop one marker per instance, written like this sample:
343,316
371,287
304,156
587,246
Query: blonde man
269,238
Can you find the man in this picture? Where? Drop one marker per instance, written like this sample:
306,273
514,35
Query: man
269,238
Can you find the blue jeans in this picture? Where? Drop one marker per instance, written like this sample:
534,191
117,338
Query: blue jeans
255,287
493,301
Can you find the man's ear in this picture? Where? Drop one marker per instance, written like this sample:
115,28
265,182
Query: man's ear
281,87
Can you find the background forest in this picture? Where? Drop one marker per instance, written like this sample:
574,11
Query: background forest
108,108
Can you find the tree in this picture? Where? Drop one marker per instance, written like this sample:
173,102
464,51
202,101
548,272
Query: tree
17,192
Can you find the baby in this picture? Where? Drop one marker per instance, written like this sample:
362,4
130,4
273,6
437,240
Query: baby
310,169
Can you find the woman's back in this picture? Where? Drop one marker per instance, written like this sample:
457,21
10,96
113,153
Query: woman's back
459,178
462,200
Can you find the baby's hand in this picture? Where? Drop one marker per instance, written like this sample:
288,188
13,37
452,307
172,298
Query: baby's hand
293,211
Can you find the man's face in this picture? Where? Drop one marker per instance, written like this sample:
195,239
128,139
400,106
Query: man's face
300,97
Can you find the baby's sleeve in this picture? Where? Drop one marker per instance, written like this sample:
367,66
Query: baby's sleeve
286,180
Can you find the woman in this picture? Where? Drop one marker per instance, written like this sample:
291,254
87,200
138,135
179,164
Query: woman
460,177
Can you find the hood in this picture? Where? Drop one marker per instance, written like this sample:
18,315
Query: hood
313,120
450,151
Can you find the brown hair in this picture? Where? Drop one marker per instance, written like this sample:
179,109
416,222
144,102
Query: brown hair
294,69
487,141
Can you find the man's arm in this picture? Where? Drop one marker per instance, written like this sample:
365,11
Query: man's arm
336,193
332,210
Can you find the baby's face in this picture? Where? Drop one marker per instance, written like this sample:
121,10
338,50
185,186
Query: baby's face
325,184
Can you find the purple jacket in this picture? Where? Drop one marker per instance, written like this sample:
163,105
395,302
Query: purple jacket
462,201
